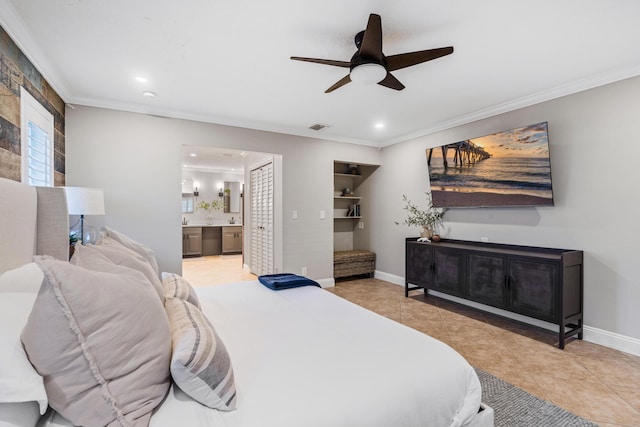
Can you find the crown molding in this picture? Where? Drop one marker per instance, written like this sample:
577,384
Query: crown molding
13,24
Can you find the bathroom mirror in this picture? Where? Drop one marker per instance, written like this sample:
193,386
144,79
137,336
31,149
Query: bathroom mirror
232,197
187,196
187,204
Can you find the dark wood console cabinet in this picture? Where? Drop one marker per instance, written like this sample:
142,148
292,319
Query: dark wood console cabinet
541,283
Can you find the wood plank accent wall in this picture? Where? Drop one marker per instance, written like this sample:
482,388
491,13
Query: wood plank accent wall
16,70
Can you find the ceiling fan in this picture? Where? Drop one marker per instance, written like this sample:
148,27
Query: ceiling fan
370,65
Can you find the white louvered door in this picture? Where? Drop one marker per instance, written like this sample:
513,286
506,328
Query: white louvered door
262,220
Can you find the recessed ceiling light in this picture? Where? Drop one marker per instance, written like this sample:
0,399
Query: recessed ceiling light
149,94
141,79
379,125
193,155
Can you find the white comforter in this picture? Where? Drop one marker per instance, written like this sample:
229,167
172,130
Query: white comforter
305,357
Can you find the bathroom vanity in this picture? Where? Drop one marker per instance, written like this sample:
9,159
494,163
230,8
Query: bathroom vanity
215,239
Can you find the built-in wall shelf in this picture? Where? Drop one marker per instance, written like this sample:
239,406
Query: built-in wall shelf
349,175
350,188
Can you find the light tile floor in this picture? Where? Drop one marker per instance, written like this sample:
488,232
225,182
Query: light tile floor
592,381
215,270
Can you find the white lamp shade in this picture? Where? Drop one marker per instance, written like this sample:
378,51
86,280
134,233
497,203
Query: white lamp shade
84,201
368,73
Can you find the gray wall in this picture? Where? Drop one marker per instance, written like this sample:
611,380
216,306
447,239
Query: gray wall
135,158
593,143
594,146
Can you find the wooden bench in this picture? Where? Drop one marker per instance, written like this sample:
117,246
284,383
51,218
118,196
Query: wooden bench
354,262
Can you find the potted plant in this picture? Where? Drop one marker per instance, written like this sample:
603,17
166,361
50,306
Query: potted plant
214,205
429,219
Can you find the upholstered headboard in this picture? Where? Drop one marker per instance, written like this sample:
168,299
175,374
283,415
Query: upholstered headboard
33,221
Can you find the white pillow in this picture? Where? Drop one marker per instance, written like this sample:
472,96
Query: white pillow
143,250
23,414
26,278
19,381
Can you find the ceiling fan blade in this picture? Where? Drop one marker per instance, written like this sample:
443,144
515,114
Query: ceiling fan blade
391,82
343,81
372,41
343,64
403,60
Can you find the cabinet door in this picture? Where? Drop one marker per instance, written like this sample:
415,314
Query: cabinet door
532,288
231,239
418,264
184,242
228,240
486,278
194,243
449,268
238,241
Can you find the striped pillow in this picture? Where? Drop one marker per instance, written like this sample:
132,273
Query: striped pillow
200,364
176,286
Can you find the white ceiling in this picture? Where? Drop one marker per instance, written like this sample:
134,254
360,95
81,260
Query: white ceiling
211,159
228,61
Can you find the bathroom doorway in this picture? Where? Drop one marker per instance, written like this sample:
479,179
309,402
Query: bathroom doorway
216,214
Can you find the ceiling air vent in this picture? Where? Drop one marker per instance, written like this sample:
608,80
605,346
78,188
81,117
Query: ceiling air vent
318,126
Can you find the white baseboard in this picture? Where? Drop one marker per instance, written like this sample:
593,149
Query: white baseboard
612,340
391,278
326,283
597,336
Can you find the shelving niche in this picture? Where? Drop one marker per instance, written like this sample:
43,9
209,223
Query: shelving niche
349,210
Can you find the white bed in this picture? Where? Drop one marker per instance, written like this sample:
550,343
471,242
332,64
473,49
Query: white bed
301,357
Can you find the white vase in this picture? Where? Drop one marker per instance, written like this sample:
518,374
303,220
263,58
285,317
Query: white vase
210,219
426,232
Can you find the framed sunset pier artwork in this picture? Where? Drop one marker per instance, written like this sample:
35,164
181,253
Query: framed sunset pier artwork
508,168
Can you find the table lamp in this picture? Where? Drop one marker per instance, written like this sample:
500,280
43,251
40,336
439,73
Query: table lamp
84,201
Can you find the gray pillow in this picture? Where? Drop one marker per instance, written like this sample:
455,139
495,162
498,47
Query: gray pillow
121,255
176,286
200,364
101,342
93,257
127,241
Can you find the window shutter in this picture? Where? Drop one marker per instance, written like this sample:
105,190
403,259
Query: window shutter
40,157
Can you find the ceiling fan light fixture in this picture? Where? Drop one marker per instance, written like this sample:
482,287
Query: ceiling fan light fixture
368,73
369,65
